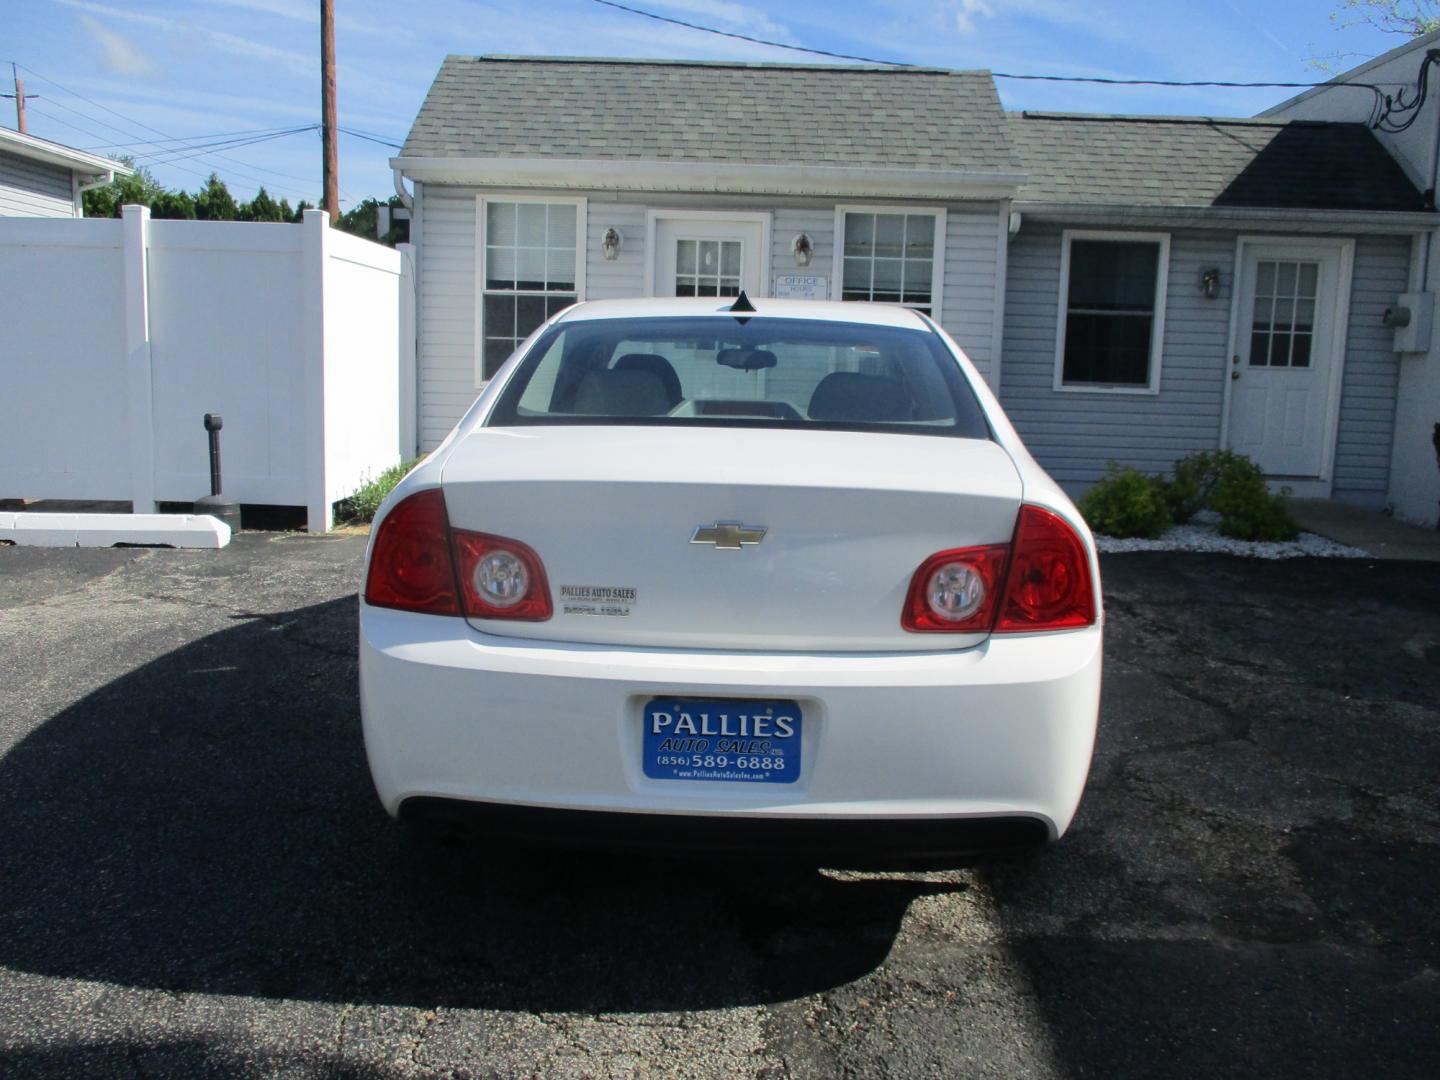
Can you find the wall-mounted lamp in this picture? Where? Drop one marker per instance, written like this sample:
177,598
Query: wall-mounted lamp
802,249
610,244
1210,283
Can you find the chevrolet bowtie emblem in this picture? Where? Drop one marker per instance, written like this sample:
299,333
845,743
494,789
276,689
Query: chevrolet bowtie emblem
730,535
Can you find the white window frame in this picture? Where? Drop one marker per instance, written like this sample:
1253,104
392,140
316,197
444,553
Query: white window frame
1157,326
937,270
582,240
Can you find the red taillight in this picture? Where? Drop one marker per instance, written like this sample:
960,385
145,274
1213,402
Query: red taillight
501,578
413,567
410,567
1049,586
956,591
1040,581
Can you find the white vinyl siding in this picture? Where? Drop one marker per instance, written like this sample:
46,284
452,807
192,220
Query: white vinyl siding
1372,373
1073,435
446,260
34,189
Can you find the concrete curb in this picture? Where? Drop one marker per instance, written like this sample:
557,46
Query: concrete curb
107,530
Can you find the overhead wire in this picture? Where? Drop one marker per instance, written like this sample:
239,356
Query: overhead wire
1383,106
154,130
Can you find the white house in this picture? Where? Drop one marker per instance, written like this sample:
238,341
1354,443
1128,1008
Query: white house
1135,287
39,178
1413,137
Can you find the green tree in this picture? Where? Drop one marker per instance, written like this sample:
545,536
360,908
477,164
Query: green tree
360,220
140,189
176,205
1409,17
214,201
262,208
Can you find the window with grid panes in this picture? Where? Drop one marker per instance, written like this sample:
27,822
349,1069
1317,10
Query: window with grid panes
889,258
530,272
1284,323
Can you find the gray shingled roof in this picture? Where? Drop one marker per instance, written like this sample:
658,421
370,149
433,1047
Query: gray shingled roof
692,111
1199,161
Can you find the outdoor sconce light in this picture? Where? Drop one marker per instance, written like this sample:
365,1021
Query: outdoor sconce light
610,244
802,249
1210,283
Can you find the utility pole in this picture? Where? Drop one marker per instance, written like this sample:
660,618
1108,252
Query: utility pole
327,109
20,98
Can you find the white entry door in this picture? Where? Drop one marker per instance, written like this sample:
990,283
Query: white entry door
1287,355
709,255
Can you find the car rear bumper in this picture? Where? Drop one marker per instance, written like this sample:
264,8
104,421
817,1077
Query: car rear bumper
908,748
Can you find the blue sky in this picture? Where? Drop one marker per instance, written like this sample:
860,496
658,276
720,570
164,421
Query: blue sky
137,71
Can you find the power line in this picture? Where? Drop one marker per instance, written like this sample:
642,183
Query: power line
747,37
157,131
89,131
370,138
995,74
184,154
180,138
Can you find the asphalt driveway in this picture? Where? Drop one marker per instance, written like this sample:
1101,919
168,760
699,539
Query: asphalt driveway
196,878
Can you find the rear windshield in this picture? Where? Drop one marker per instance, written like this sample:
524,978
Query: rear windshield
788,373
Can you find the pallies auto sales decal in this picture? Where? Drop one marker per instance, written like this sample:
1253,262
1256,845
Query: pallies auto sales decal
613,600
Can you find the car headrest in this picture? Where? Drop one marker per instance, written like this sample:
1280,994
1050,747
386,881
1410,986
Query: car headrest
621,393
849,395
658,366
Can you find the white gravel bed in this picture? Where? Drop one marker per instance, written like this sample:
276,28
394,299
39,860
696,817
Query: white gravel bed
1203,537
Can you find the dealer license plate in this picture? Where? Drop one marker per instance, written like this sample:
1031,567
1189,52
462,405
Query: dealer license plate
718,739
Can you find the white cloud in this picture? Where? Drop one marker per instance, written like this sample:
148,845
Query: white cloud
118,54
965,13
234,44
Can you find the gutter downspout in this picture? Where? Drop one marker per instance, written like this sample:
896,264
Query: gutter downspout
97,181
406,199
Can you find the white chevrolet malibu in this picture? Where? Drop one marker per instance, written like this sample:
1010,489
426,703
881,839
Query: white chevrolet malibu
695,576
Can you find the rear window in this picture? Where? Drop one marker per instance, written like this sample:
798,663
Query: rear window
789,373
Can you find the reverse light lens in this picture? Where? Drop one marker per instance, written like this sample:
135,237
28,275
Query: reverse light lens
955,592
501,578
410,566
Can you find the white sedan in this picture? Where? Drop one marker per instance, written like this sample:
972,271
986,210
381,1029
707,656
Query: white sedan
694,576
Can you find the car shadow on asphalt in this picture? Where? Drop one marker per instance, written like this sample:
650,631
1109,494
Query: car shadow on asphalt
207,823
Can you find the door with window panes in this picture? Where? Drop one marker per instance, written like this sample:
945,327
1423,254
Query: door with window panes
1280,373
708,257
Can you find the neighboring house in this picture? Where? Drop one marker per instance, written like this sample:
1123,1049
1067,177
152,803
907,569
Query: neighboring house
1088,265
708,174
1182,284
39,178
1415,458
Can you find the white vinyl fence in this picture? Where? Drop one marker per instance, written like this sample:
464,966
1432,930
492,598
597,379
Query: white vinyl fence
116,337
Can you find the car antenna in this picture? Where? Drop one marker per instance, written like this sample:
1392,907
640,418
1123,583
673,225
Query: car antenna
741,308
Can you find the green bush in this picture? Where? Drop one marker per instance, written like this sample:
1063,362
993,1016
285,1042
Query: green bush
361,506
1126,502
1247,508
